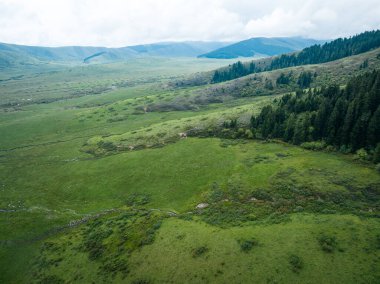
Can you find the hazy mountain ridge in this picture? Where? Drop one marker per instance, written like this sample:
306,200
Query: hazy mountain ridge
11,54
261,46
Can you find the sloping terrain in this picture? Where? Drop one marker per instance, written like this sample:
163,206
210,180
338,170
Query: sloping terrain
315,54
261,47
122,173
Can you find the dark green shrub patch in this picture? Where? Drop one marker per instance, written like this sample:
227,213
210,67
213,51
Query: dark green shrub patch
227,214
315,145
328,243
247,245
296,263
107,145
108,241
136,199
93,242
199,251
113,265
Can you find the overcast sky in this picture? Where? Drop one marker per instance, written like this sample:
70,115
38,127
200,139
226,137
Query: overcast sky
127,22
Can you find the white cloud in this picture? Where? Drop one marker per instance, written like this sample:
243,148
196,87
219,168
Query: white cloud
125,22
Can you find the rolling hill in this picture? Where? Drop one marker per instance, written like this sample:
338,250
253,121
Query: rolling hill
99,184
12,54
261,47
315,54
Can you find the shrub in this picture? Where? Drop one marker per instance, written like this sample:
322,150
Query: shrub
136,199
216,194
296,263
377,167
200,251
316,145
362,154
283,79
330,148
328,243
249,134
262,194
345,149
376,154
114,265
107,145
93,242
230,123
247,245
226,214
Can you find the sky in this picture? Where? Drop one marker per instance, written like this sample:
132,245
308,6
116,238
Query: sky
115,23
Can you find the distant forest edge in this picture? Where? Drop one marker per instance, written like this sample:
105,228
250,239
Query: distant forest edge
337,49
346,119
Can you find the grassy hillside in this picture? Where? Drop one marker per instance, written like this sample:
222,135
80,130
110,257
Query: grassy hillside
53,82
97,184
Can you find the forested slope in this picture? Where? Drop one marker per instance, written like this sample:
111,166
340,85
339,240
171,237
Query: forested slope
337,49
347,118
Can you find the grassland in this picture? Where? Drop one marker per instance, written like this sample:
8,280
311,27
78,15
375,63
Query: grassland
79,205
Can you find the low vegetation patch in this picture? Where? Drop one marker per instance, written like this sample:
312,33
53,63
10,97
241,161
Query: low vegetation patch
107,241
247,245
296,263
328,243
199,251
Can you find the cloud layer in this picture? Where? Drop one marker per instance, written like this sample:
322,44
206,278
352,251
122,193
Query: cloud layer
126,22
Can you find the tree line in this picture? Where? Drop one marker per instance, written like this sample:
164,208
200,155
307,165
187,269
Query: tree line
337,49
348,119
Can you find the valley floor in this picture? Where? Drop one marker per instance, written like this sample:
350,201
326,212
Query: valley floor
98,189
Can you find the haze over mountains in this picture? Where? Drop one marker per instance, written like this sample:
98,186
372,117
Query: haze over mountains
11,54
262,47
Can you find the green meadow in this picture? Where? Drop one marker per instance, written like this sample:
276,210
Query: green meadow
98,186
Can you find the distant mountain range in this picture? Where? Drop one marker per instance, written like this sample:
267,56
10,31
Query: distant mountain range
12,54
261,47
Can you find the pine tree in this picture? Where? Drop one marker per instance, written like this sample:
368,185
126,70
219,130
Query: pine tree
315,54
348,118
374,128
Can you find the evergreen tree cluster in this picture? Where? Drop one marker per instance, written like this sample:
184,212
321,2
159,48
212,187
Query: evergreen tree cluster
337,49
330,51
305,79
283,79
348,118
234,71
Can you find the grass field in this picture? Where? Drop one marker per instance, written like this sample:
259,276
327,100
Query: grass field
78,205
